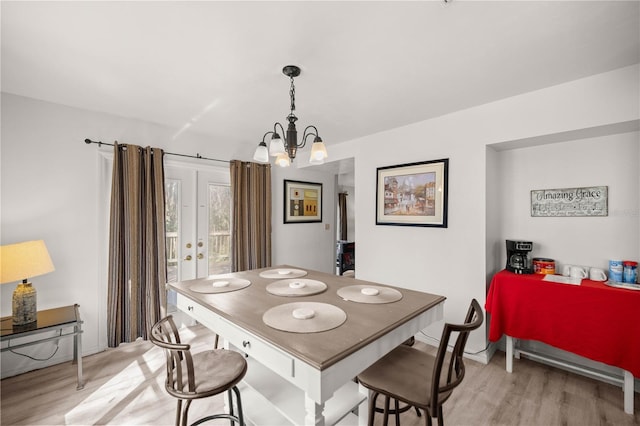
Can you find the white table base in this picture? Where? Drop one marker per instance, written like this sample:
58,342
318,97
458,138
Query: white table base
626,382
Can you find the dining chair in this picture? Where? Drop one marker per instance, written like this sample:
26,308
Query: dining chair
199,375
418,379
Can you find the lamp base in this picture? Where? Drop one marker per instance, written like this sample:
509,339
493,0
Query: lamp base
24,304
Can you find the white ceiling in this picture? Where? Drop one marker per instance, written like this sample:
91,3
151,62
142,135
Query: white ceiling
215,67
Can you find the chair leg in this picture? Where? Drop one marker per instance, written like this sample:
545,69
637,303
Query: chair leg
230,397
373,396
239,403
185,412
440,416
179,413
427,418
397,408
386,411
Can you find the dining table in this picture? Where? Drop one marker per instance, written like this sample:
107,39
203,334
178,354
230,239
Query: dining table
306,335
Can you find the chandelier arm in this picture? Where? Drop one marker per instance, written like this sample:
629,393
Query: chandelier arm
267,134
275,127
275,130
311,127
306,134
304,140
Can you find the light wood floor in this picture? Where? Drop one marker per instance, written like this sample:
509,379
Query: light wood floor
124,386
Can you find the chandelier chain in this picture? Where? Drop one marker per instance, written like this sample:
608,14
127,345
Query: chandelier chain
292,94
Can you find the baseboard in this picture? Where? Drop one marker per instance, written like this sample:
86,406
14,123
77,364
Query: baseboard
492,348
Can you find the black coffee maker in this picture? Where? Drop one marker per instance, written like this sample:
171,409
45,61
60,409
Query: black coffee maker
518,260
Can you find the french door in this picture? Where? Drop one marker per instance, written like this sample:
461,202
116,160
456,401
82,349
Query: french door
198,224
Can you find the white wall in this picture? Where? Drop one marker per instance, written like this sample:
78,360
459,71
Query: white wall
456,261
55,187
308,245
51,190
591,241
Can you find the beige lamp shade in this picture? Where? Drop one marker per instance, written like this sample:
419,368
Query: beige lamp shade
23,261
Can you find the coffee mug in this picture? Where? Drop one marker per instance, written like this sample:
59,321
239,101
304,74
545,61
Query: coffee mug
566,270
597,274
577,272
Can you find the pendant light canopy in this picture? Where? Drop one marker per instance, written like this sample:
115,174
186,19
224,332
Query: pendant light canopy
285,148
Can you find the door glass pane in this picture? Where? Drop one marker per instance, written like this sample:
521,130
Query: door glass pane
219,231
172,225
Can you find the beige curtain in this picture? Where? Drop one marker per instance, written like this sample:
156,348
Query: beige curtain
137,258
251,215
342,206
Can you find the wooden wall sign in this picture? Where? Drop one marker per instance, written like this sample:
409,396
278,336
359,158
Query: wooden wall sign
587,201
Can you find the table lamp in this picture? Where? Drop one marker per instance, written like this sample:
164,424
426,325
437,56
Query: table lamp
20,262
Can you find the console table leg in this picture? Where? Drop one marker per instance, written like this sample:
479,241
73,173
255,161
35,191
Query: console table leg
628,392
314,416
77,348
509,354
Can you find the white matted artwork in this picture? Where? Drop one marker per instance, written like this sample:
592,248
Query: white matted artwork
302,202
413,194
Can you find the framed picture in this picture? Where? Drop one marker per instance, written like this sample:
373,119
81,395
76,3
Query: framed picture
413,194
302,202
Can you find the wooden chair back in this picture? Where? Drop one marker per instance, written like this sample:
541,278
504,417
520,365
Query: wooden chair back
449,366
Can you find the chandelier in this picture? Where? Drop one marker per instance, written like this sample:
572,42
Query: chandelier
285,150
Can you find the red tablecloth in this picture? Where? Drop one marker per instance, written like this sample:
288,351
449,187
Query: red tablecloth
593,320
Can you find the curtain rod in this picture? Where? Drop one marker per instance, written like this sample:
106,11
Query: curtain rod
198,156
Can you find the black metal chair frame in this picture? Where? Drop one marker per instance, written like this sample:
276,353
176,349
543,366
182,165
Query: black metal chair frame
178,357
439,391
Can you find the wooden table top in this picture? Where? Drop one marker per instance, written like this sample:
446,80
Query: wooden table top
365,322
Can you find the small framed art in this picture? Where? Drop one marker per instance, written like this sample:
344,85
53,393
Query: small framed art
302,202
413,194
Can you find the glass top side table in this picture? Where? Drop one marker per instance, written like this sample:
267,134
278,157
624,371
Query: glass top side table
65,320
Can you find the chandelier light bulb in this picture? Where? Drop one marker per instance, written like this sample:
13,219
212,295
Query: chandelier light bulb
262,154
318,152
276,146
283,160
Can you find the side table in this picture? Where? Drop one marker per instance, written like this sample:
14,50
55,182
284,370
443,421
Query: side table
57,319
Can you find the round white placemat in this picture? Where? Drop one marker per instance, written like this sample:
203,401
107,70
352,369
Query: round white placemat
369,294
304,317
283,273
296,287
219,285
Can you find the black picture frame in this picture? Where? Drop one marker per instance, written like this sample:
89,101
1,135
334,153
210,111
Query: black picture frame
302,202
413,194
